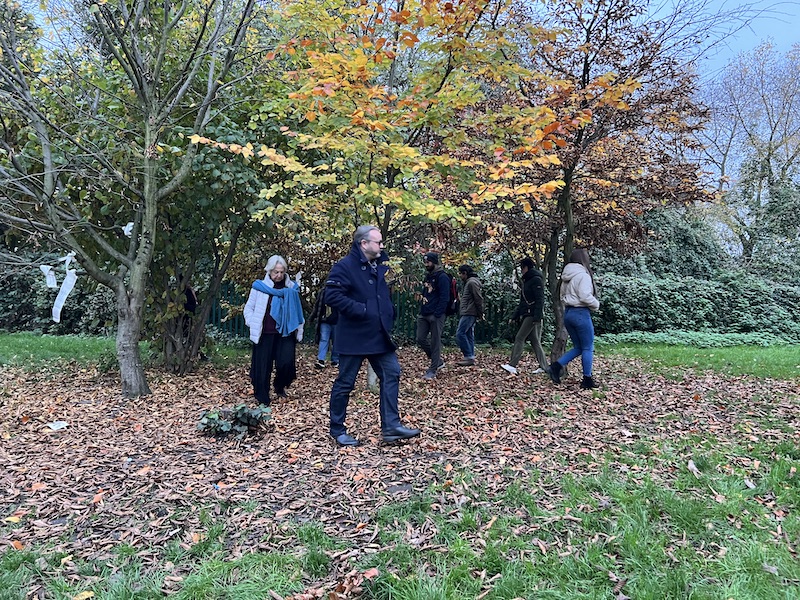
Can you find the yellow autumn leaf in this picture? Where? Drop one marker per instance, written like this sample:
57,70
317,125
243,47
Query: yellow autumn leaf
83,596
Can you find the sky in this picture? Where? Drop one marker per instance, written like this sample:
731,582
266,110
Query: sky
779,22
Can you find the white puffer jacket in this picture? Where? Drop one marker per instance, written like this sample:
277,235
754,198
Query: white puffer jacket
577,288
256,309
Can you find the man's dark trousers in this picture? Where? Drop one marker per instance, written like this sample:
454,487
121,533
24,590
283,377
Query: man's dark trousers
433,326
387,368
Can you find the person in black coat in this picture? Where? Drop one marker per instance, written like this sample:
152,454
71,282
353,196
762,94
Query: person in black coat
432,313
356,288
529,313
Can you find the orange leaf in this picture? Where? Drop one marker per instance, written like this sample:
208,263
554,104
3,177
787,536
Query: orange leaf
38,486
144,470
311,116
98,497
17,545
371,573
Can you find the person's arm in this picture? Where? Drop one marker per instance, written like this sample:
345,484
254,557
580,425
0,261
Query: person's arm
249,307
443,294
586,292
337,288
477,298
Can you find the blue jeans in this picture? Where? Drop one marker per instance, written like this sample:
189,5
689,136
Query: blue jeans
387,368
578,323
325,339
465,335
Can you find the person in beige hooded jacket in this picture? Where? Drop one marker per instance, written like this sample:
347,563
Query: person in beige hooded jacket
578,294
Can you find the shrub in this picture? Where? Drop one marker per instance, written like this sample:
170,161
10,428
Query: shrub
733,303
239,421
26,304
697,339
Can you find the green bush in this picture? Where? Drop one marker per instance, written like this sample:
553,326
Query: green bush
733,303
239,421
26,304
696,339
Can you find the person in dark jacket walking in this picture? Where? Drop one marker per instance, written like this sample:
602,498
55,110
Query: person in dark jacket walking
430,322
529,313
471,310
356,288
325,318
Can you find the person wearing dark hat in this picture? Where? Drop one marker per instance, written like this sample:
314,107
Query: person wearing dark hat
470,310
430,322
529,313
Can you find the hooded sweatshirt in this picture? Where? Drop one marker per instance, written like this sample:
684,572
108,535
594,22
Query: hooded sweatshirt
577,288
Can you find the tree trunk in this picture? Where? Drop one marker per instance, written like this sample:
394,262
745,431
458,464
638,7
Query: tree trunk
553,274
129,325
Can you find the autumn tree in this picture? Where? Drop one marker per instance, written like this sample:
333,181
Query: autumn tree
753,144
101,151
388,94
627,77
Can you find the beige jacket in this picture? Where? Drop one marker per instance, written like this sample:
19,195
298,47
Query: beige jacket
577,288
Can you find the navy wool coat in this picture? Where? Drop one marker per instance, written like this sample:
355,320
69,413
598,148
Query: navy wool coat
366,314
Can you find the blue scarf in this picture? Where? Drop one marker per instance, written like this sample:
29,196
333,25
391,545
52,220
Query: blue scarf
286,308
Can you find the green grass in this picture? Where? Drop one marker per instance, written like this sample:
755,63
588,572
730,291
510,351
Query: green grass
32,350
776,362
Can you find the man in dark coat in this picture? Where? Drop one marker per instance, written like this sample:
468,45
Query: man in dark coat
357,289
529,312
430,322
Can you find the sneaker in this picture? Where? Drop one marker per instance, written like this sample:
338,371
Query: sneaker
537,371
430,374
335,364
320,364
509,368
466,362
441,366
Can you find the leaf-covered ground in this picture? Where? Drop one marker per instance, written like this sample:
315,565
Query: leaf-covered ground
138,472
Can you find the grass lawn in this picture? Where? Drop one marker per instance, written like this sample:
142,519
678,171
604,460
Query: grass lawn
673,480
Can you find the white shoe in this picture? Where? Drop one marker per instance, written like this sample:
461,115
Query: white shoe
537,371
509,368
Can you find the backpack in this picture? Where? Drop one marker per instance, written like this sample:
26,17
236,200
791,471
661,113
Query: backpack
453,301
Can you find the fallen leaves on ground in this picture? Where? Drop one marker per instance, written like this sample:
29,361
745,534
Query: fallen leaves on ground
137,470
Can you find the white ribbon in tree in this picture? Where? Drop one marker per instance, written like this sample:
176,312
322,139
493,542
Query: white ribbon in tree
49,275
128,229
66,288
67,259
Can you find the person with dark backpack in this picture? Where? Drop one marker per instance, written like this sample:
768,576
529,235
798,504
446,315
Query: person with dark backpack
432,313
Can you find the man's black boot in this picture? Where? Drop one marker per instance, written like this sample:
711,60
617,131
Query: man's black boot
399,433
588,383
